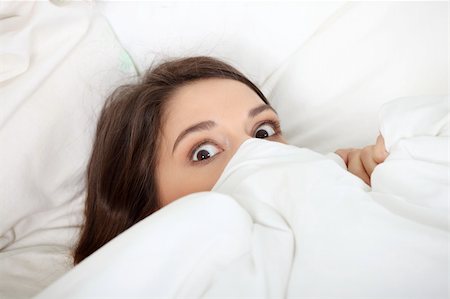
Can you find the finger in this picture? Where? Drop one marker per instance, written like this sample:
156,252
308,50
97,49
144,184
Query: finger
356,167
367,159
343,153
380,154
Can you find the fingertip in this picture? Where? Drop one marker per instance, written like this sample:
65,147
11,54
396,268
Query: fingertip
380,152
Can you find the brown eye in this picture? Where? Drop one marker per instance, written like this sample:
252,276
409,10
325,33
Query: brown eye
203,154
204,151
264,131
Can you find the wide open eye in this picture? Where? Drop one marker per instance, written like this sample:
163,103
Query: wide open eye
205,151
265,130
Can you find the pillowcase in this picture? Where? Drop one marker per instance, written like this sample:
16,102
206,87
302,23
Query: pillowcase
254,36
329,92
50,96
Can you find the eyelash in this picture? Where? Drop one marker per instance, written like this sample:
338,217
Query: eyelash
196,147
274,123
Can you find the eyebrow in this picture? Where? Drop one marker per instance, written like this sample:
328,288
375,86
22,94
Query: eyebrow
257,110
201,126
209,124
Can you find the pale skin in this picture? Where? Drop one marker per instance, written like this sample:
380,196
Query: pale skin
204,124
362,162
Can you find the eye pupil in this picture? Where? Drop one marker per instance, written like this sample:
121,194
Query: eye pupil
203,154
261,134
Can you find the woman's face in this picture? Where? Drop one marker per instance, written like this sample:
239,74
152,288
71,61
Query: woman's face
203,125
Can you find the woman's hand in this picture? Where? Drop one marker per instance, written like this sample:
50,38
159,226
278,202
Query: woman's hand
361,162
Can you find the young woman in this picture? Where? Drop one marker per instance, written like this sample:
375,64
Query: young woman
172,134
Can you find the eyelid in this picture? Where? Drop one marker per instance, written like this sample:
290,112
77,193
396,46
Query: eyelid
200,144
273,122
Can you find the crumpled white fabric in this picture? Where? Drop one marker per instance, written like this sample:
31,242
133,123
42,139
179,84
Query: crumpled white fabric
287,222
366,54
57,65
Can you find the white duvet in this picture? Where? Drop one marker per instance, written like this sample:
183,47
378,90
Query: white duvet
287,222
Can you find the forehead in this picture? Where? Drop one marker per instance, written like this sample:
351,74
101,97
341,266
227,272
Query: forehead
210,99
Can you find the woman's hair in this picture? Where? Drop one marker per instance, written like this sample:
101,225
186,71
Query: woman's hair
121,184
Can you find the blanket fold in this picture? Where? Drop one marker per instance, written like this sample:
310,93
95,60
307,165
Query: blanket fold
300,226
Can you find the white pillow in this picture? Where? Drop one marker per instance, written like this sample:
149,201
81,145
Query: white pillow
256,37
49,99
328,93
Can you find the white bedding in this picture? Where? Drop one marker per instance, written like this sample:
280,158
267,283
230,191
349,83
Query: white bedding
60,59
57,65
284,221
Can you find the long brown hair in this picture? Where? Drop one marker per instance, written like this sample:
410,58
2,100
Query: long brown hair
121,185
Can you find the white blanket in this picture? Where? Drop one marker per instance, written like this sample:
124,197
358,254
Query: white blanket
284,221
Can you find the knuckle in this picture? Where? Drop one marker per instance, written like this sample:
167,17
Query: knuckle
379,155
366,152
353,153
